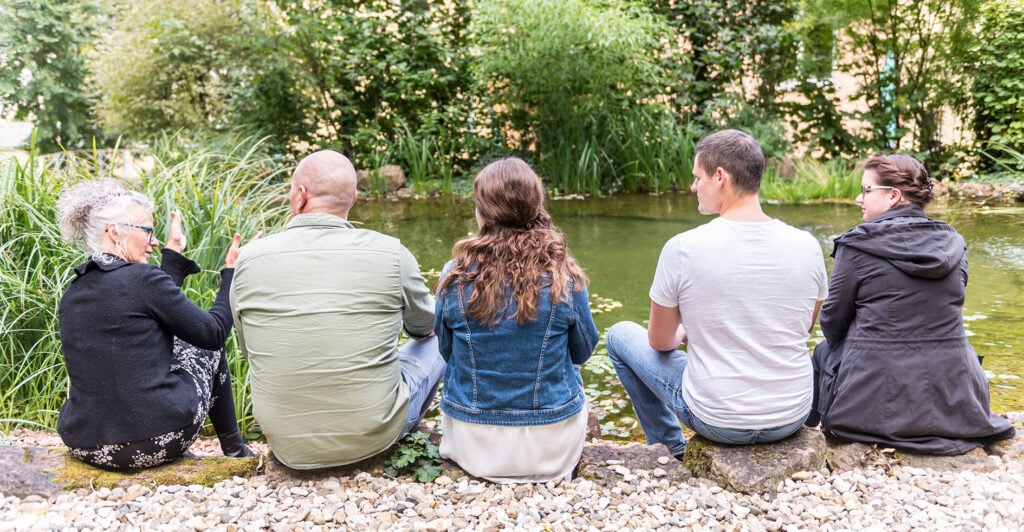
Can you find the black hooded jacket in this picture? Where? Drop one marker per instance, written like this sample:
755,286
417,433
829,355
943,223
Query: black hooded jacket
897,368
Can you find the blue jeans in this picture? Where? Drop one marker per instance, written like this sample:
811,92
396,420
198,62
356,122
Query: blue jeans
654,381
422,369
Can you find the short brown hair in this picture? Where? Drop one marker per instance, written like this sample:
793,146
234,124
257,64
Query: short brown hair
736,152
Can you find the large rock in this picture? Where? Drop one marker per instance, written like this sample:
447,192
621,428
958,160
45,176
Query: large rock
15,135
755,469
30,470
278,473
984,193
1008,448
49,471
608,463
391,176
781,167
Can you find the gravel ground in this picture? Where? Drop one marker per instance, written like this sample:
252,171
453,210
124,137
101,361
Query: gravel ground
903,498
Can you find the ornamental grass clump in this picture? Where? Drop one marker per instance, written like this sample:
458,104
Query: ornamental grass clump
812,180
219,191
35,267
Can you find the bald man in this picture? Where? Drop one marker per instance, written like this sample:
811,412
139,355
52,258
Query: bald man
318,309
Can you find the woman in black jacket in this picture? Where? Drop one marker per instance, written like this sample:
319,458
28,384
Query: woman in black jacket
146,365
896,368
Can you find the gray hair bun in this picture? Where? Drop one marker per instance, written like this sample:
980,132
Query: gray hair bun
84,209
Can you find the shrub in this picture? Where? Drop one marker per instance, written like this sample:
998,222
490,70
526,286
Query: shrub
172,65
998,85
560,75
372,72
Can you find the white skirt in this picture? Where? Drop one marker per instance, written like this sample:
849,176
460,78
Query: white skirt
515,454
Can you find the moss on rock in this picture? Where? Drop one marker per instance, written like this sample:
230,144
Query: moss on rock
693,457
183,471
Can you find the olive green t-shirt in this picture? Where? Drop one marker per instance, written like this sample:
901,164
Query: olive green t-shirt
318,309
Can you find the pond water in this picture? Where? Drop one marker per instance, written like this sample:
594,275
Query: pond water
618,240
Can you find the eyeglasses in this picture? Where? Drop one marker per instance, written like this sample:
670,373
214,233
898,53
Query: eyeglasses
868,188
148,230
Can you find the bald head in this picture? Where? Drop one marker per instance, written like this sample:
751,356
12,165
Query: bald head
325,182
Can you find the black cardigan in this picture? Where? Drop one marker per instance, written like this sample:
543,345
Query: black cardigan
117,324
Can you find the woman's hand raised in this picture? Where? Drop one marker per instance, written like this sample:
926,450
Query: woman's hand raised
236,248
175,238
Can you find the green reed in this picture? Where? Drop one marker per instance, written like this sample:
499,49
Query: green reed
1008,165
417,156
219,191
641,151
811,181
428,159
35,266
655,153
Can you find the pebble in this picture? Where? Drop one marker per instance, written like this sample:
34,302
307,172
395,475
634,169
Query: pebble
868,498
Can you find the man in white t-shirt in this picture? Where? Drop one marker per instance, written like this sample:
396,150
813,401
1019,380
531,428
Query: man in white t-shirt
742,292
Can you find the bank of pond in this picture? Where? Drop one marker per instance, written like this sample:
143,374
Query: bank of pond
617,239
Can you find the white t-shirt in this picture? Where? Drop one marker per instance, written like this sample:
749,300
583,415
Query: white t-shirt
746,292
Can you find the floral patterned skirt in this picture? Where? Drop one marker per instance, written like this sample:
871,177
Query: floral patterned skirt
206,369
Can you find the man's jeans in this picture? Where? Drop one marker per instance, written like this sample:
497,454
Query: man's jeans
422,369
654,381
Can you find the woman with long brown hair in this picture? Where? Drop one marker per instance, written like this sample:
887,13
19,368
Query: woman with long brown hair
513,322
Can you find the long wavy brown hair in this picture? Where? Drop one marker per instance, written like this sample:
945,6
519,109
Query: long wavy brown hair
517,249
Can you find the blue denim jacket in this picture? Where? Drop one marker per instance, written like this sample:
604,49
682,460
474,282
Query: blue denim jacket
514,374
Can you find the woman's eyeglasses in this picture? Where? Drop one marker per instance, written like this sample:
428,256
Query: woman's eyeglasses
148,230
868,188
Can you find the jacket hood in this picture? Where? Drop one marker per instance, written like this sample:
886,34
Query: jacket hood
909,240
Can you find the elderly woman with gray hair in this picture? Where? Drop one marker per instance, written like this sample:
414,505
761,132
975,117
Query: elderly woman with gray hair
146,364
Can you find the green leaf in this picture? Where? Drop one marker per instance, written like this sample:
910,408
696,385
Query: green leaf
427,473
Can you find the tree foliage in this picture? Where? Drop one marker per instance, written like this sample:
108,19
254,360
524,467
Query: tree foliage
816,119
559,76
548,63
586,88
907,56
173,65
732,41
998,83
742,54
368,71
43,71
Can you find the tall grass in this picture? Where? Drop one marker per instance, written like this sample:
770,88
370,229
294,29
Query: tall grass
641,151
218,190
35,266
427,159
1008,164
812,180
655,159
575,164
